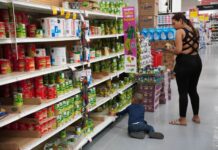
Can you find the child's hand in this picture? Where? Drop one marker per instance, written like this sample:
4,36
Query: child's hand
112,114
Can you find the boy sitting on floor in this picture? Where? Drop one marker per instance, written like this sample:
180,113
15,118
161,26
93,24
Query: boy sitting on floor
137,126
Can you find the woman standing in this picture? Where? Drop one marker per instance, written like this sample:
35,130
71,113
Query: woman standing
188,67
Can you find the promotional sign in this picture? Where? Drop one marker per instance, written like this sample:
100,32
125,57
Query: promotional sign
129,27
193,13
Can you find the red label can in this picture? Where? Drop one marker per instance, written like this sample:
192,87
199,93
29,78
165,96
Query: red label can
2,30
21,51
48,61
7,52
38,82
22,127
40,62
5,66
31,30
29,64
31,50
21,65
51,92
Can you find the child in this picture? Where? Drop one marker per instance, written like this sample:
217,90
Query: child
137,126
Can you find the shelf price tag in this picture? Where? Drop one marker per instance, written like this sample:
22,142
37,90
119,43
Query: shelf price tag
89,139
62,11
72,68
86,14
54,10
67,16
74,16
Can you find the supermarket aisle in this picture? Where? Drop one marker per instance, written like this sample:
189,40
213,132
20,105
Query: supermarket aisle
200,137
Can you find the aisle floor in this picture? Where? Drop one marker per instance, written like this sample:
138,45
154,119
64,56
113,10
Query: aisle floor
192,137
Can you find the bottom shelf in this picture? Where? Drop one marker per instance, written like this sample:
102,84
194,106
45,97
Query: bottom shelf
108,120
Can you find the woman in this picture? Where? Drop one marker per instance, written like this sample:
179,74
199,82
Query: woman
188,67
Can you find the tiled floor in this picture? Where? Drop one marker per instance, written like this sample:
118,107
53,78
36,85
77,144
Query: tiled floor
192,137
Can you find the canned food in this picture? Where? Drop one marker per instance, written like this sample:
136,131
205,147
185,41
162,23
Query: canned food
29,64
92,29
51,92
7,52
48,61
10,29
40,62
22,127
5,66
21,30
21,65
2,30
51,78
18,99
21,52
38,82
31,50
31,30
39,33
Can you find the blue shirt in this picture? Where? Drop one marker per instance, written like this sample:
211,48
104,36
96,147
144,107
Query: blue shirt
136,113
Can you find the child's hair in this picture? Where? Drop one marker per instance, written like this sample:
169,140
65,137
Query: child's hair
137,98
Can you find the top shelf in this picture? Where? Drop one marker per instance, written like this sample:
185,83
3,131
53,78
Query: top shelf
39,8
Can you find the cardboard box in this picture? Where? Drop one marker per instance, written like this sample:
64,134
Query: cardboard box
147,21
148,7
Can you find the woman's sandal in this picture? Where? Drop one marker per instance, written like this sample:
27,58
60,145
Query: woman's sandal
177,122
197,121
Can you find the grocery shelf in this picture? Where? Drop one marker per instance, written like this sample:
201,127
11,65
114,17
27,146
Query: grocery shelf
29,109
37,40
34,7
108,120
111,76
106,36
107,57
125,107
30,143
103,100
18,76
96,14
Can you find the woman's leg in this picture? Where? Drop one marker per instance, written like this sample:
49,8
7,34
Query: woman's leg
194,94
182,79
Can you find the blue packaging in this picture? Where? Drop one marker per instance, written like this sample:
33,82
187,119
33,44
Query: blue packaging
163,34
157,33
171,34
150,34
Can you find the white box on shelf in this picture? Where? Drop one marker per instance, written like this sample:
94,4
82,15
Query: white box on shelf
68,27
40,52
61,27
76,28
50,26
58,56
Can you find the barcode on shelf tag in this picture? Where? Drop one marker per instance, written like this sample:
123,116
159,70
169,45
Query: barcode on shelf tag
72,68
62,11
67,16
54,10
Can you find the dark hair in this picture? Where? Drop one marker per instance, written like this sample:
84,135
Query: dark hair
137,98
181,16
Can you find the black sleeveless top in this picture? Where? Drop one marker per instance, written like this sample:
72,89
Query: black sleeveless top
190,41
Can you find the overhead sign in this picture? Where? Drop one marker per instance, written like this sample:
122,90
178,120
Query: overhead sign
208,7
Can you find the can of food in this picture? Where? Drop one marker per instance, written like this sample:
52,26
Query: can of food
92,30
21,52
4,15
76,57
10,29
38,82
31,30
51,78
31,50
2,30
21,30
22,127
39,33
92,53
21,65
5,66
29,64
18,99
40,62
48,61
7,52
51,91
58,88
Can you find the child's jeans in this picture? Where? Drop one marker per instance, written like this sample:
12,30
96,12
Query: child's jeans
141,126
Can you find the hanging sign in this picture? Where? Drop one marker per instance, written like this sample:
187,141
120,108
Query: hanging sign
193,13
201,17
129,27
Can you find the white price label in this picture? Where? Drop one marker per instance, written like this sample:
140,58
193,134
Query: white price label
89,139
72,68
89,64
120,92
